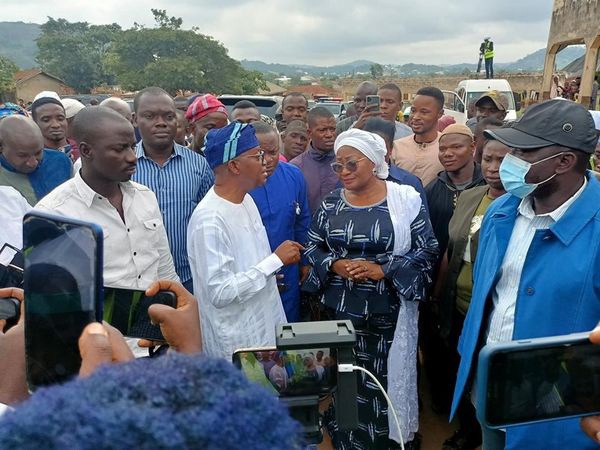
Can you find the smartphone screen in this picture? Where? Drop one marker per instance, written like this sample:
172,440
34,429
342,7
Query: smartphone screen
127,311
543,383
372,103
62,284
290,372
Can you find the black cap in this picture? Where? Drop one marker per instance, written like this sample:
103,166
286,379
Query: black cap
553,122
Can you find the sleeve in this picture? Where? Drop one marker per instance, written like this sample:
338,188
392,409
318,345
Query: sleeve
208,179
318,253
302,223
411,273
213,250
166,267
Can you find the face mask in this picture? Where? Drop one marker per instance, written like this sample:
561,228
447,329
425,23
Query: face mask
513,171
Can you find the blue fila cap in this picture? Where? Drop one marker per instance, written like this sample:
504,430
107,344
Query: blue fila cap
227,143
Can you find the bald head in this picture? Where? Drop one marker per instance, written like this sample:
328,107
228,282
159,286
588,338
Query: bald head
92,123
21,143
119,105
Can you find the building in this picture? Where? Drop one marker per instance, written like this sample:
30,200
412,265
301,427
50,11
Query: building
30,82
574,22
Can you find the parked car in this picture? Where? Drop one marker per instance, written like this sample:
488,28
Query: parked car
267,105
337,109
468,91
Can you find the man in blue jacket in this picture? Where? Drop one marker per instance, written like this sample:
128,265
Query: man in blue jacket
536,272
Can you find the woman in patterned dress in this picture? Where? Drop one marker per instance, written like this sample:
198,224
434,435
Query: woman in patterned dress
372,250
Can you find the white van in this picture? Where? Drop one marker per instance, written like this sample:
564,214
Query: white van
469,91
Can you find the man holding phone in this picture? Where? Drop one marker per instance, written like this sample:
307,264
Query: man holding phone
136,250
539,249
233,267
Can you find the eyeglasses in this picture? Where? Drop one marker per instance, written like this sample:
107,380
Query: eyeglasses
260,155
351,165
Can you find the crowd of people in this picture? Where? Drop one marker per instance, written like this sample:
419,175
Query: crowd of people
432,237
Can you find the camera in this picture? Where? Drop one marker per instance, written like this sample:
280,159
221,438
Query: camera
302,369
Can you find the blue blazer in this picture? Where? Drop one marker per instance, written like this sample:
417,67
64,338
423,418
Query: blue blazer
559,293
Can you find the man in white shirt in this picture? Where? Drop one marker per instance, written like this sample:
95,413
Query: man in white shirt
136,250
232,265
13,207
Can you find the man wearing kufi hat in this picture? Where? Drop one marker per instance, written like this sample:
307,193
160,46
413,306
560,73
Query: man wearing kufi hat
232,265
205,113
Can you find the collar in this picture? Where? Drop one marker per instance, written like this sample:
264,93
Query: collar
318,155
87,194
526,205
140,152
475,181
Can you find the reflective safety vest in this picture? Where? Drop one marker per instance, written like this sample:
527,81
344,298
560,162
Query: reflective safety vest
488,48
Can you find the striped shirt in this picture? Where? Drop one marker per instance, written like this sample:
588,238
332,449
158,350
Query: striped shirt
179,185
506,291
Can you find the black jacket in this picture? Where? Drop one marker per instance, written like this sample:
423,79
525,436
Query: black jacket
441,198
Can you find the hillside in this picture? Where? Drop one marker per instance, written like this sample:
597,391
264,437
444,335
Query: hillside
17,42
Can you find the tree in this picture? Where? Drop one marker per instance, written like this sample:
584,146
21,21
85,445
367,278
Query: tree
7,73
376,70
75,51
177,59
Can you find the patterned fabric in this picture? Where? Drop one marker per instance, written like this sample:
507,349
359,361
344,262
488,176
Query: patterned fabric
379,310
374,333
179,186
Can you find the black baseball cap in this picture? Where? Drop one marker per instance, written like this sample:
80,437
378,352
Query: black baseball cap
553,122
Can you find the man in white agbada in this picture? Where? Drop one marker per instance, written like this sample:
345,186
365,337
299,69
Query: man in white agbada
232,265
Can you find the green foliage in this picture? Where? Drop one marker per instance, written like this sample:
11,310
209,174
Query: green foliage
74,52
376,70
7,72
85,56
176,59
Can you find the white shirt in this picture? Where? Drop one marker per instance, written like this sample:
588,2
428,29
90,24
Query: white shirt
136,252
13,207
504,296
233,271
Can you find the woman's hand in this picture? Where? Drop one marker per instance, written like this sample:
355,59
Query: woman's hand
340,267
364,270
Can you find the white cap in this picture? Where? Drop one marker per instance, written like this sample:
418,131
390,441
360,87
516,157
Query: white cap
44,94
72,107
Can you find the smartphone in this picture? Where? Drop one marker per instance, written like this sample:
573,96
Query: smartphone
127,311
11,266
311,371
63,293
537,380
372,104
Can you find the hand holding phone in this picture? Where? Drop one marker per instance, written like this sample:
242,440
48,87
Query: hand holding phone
180,326
372,103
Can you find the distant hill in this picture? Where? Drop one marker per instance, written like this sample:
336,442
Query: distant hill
535,60
291,70
17,42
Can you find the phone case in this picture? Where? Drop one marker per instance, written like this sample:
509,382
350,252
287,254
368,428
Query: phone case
487,354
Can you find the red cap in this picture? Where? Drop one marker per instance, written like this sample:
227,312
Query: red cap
204,105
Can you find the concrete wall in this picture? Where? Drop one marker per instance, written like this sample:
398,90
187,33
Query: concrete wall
574,22
519,82
29,88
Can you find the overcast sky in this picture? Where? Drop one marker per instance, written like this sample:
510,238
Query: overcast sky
328,32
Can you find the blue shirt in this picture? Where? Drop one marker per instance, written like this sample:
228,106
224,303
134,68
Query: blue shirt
179,185
54,168
559,293
283,206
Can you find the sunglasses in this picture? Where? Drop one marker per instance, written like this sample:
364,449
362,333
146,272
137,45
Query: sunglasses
350,166
260,155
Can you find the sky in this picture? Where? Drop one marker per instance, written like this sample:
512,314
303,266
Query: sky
328,32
